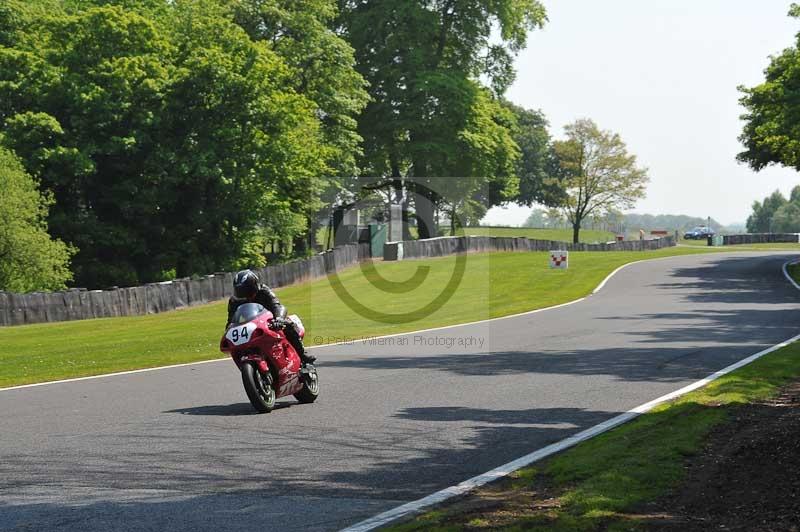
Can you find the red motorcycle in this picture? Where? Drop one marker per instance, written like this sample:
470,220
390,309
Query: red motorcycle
269,364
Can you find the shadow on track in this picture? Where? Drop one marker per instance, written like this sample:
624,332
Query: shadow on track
235,409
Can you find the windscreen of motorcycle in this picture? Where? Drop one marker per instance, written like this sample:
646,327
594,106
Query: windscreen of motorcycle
247,312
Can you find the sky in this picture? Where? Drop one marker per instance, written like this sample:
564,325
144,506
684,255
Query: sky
663,74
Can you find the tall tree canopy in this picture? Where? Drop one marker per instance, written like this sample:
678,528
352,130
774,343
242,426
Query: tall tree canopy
322,68
771,133
776,214
429,115
29,258
534,167
596,172
172,134
760,221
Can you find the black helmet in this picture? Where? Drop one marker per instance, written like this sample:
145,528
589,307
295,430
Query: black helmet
245,284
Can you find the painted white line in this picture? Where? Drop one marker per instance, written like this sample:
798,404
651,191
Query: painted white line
504,470
612,274
104,375
786,272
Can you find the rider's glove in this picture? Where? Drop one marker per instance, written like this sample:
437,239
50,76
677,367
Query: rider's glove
277,323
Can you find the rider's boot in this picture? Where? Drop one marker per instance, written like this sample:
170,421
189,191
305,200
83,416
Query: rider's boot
305,357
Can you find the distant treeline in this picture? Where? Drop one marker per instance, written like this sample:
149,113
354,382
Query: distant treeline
776,214
671,222
618,222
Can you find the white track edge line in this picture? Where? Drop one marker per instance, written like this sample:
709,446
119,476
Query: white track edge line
118,373
504,470
786,272
104,375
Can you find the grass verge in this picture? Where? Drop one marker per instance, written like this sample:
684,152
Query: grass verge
794,271
597,484
494,285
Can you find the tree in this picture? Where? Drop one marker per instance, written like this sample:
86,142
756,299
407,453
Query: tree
771,133
537,219
533,166
29,258
763,213
597,173
680,222
427,111
776,214
168,137
787,218
322,68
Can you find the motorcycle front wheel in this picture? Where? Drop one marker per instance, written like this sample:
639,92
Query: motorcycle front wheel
310,390
259,390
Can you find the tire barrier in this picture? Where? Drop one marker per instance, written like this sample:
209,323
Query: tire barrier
449,245
761,238
82,304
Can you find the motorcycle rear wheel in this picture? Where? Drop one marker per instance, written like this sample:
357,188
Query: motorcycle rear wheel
310,390
259,390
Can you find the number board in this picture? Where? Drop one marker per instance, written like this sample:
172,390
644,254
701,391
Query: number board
241,333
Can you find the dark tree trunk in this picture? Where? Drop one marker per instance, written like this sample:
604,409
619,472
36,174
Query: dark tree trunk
311,234
423,206
406,217
576,229
299,248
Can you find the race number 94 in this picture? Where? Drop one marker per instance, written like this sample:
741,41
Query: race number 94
241,333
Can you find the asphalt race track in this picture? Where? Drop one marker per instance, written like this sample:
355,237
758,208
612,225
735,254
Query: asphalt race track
180,448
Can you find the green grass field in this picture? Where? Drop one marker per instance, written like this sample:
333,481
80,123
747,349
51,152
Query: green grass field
794,271
496,284
599,483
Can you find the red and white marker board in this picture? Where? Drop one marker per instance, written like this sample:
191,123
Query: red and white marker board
559,259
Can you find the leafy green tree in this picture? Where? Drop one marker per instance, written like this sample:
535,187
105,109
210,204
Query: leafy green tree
787,218
166,134
322,66
30,259
680,222
537,219
776,214
597,173
534,166
421,59
763,212
771,133
7,25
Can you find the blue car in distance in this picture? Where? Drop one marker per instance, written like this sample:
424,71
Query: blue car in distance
699,233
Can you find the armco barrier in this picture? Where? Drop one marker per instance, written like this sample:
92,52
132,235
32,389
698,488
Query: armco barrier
80,304
760,238
439,247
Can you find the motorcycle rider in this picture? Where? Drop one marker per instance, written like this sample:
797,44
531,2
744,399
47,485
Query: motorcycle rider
248,289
